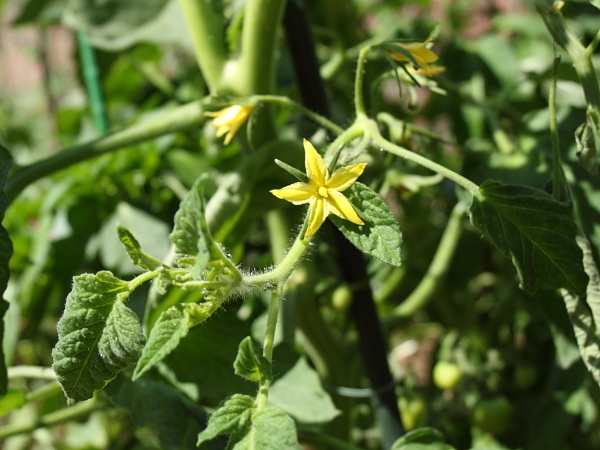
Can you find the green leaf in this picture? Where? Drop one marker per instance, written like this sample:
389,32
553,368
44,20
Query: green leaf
250,364
133,249
300,394
231,416
167,412
535,231
98,336
425,438
171,326
269,429
380,236
6,250
584,313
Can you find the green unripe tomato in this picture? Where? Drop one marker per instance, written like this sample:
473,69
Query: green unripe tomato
341,299
446,375
525,375
492,414
413,412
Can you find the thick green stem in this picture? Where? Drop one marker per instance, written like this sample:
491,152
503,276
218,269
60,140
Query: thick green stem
51,419
259,37
175,120
371,126
557,176
205,25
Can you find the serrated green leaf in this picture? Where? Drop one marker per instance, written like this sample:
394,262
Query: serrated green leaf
269,429
167,412
535,231
250,364
380,236
98,336
133,249
425,438
169,329
584,312
299,393
6,250
229,417
172,326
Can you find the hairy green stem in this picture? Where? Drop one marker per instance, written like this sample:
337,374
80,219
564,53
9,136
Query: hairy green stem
175,120
54,418
430,283
557,176
371,126
283,270
205,25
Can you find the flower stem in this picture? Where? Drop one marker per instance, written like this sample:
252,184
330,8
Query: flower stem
324,122
422,161
359,104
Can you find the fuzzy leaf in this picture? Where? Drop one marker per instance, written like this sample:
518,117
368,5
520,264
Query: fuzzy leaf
535,231
229,417
133,249
380,236
425,438
269,429
250,364
98,336
171,326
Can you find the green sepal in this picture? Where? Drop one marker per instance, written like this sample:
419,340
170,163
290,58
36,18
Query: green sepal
135,252
250,364
300,176
380,236
535,231
98,336
393,47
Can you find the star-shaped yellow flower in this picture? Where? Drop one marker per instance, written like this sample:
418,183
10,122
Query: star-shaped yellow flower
422,55
322,192
229,120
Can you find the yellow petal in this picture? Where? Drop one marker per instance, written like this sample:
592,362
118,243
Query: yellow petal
418,50
297,193
344,177
341,207
429,70
315,167
319,210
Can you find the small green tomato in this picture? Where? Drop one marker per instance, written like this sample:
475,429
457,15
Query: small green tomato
446,375
341,299
492,415
413,412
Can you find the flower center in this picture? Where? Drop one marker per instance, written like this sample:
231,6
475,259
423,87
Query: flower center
323,191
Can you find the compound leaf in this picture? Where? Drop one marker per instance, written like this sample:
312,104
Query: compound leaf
535,231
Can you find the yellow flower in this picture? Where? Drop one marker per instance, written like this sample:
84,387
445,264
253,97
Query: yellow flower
229,120
422,55
322,192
